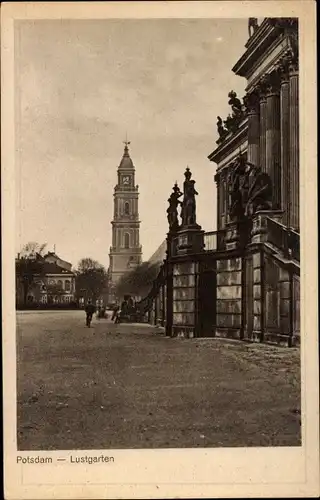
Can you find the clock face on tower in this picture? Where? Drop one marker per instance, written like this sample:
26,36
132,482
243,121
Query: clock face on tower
126,180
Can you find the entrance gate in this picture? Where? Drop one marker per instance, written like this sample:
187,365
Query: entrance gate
207,298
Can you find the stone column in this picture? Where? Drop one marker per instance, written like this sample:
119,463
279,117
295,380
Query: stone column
263,126
294,144
217,179
273,137
252,103
285,150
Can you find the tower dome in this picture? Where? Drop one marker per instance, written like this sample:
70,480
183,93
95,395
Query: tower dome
126,162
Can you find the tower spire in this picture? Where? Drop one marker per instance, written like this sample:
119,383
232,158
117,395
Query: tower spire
126,144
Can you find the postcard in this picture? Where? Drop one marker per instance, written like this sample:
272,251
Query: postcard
160,324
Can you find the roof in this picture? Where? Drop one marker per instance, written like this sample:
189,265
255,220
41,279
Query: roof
52,268
160,254
126,162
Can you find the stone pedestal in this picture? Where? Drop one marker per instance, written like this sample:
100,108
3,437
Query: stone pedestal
172,240
259,231
232,236
190,240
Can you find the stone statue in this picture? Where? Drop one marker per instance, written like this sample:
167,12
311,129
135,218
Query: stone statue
172,210
250,189
235,104
260,191
188,212
222,131
252,25
238,188
228,122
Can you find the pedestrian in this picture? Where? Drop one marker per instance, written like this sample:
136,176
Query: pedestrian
115,312
90,310
98,312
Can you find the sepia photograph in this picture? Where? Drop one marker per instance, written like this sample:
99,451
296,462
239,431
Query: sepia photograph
158,263
157,201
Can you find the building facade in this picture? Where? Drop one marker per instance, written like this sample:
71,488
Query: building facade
266,128
42,281
243,280
125,251
263,133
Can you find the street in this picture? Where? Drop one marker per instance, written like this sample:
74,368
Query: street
128,386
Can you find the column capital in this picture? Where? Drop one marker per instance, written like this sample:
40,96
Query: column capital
251,101
220,176
293,65
273,83
283,69
261,88
288,64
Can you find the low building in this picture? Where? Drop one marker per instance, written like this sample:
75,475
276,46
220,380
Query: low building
42,281
53,258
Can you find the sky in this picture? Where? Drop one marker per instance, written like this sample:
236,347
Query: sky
80,87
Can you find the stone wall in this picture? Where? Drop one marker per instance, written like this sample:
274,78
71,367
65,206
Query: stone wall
184,299
252,296
229,297
282,304
257,293
296,310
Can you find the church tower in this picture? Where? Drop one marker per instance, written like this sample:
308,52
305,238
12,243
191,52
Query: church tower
125,252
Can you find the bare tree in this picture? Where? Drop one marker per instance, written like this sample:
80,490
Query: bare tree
29,265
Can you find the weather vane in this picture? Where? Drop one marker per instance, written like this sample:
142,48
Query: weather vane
126,142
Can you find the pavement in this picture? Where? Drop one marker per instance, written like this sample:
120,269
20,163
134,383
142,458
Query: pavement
128,386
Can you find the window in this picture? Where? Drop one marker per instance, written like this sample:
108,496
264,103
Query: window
126,240
126,208
67,285
60,284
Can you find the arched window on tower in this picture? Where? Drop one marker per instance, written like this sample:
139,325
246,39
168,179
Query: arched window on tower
127,208
126,240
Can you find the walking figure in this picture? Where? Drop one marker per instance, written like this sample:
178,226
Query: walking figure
115,312
90,310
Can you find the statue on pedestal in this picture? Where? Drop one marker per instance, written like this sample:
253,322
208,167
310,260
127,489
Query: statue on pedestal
235,104
260,191
228,122
250,190
172,210
188,212
222,131
252,25
238,188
